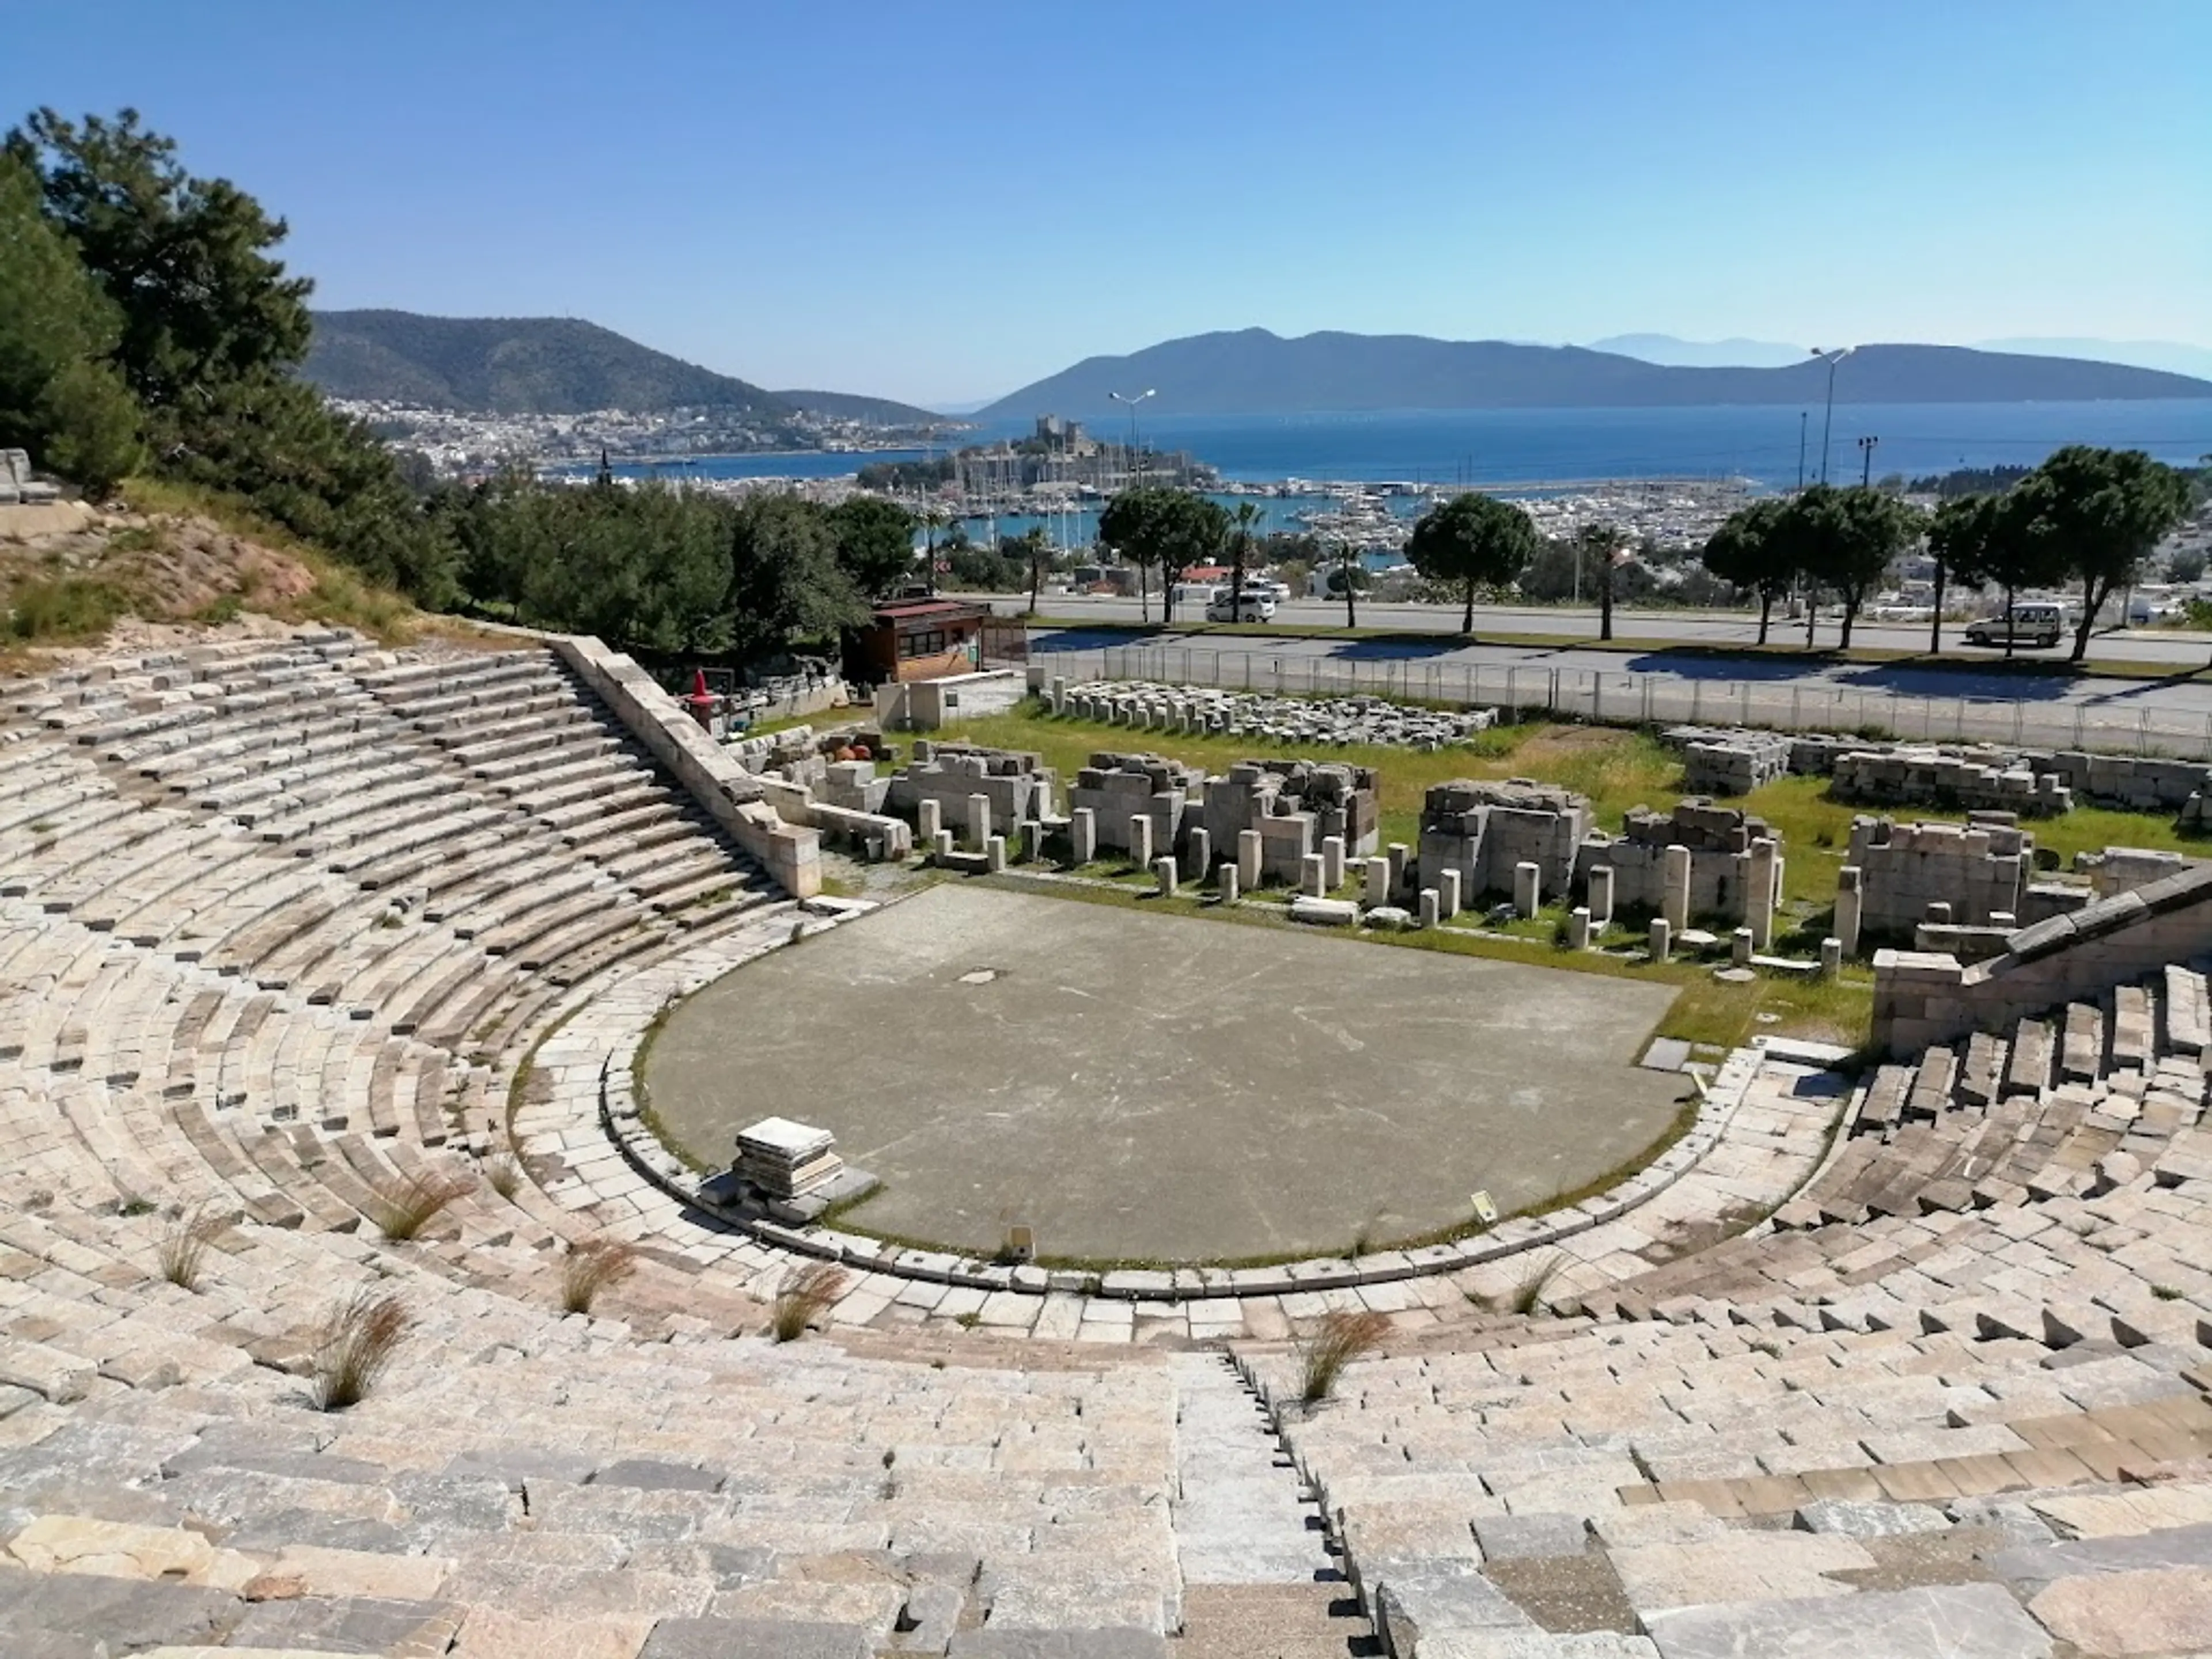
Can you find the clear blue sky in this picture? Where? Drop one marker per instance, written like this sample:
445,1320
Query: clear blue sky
945,201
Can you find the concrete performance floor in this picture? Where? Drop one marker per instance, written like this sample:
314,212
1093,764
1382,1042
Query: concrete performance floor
1163,1087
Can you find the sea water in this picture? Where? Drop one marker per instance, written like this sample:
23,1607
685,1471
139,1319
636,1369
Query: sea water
1502,448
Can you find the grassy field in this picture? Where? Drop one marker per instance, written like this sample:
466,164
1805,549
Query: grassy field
1617,769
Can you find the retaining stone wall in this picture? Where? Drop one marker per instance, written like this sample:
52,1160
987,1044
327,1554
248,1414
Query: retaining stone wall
742,804
1922,999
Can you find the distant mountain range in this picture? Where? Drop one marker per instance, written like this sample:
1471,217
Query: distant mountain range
2171,355
1253,372
1666,350
542,365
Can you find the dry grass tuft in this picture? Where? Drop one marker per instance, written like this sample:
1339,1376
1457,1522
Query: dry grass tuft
356,1344
1535,1279
1339,1339
590,1267
401,1209
184,1247
806,1296
503,1175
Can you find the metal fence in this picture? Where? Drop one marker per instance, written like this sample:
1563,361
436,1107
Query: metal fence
1783,704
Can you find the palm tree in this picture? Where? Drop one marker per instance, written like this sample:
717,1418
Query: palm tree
1604,544
1346,563
1240,543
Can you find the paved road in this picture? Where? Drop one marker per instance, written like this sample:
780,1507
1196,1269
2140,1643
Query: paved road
2151,715
1697,628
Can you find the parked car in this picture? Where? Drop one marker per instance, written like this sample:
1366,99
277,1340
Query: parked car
1253,606
2036,625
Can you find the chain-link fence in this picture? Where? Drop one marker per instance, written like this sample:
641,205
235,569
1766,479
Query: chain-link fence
1784,704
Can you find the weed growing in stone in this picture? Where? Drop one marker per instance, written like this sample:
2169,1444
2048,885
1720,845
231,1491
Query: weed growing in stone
1535,1279
806,1294
503,1175
401,1209
591,1266
185,1245
1339,1338
356,1344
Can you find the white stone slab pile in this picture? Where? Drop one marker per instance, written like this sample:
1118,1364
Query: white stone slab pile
786,1159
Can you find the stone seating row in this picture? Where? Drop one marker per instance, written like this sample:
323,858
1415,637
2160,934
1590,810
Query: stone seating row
523,1477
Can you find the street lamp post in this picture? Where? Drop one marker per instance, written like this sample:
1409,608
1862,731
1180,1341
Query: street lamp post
1828,418
1866,461
1136,450
1801,415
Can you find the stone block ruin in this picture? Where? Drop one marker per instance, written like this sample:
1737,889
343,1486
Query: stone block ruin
1294,807
1692,865
1900,777
1203,709
1484,831
1898,877
978,792
1969,777
1117,789
1735,764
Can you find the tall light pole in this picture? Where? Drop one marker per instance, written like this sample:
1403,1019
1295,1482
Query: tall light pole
1801,415
1866,461
1829,419
1136,450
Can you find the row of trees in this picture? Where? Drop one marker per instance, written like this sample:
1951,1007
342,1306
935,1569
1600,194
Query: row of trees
2086,515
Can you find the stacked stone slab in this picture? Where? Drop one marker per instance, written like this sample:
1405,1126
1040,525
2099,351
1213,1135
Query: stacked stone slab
1115,788
785,1160
1736,763
1907,776
1717,840
1483,830
2140,783
1294,807
1017,785
1149,706
1979,869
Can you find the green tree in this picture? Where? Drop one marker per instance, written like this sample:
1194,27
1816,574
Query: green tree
1746,553
60,397
2099,512
1846,539
186,259
875,544
785,581
1473,541
1171,529
1990,541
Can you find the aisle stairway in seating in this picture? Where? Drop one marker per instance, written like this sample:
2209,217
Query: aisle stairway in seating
1962,1385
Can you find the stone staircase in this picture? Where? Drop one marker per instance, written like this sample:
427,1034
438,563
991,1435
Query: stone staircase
1958,1388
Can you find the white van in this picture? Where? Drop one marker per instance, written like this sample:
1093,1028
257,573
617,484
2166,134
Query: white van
2036,625
1254,607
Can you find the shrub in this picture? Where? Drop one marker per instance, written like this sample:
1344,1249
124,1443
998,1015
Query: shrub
356,1344
590,1267
185,1245
1339,1339
71,608
401,1209
806,1294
